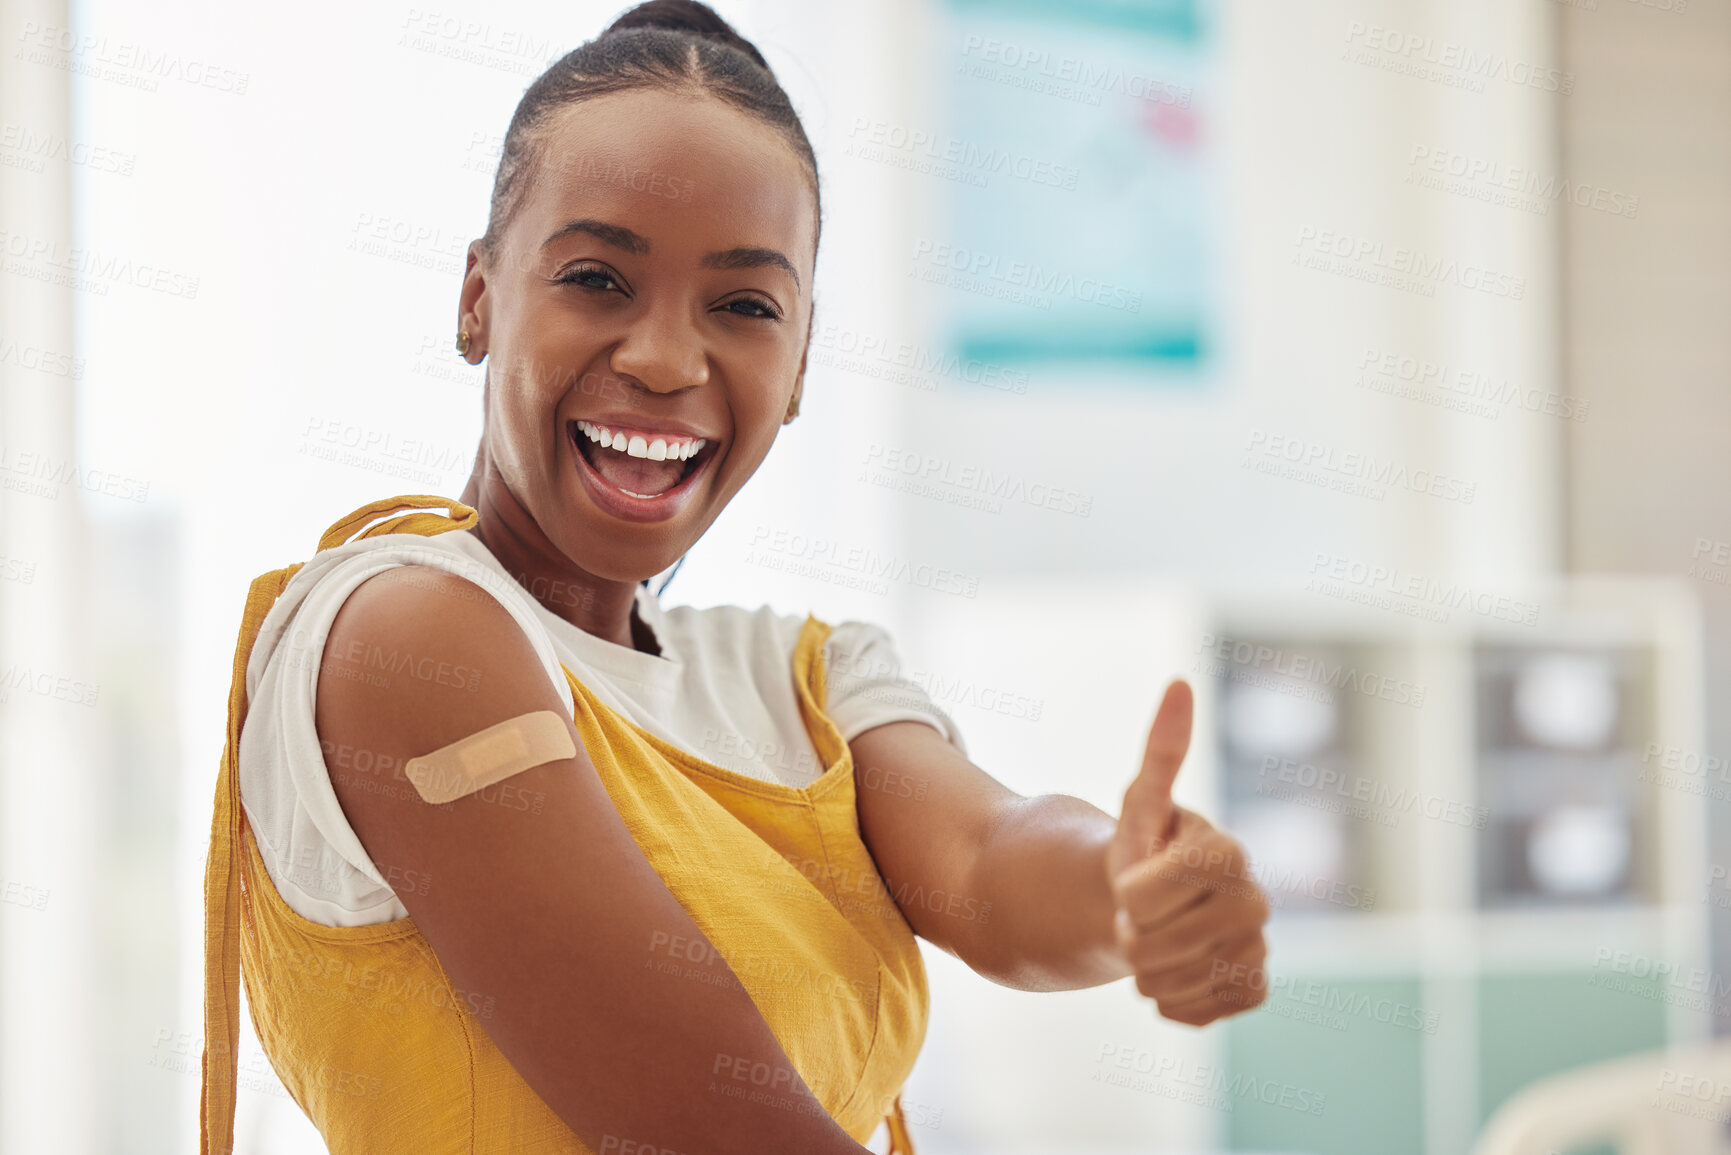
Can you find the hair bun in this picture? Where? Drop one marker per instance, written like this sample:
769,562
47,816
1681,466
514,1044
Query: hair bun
690,16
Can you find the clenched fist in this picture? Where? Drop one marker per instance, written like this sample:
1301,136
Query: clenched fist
1189,914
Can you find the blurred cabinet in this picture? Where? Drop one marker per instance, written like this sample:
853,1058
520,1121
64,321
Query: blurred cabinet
1482,868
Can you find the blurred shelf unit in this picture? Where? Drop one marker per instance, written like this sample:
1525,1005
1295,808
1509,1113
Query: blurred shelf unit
1490,812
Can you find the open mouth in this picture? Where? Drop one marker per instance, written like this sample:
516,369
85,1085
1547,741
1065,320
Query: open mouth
639,474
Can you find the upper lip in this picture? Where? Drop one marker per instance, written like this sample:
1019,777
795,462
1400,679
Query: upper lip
629,425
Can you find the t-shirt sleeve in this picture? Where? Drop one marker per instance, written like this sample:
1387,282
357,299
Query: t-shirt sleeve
314,857
867,688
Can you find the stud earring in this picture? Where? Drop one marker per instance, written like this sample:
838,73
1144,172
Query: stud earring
463,342
792,409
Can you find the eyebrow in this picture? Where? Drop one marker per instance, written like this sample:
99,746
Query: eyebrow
620,237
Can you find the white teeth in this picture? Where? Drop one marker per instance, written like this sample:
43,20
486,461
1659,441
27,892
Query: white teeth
660,449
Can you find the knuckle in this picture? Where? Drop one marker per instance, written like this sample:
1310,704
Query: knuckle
1127,939
1192,1016
1139,909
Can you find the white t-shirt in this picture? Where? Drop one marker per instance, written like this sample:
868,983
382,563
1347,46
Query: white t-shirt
721,689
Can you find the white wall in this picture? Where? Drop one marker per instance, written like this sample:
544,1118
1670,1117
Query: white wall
49,808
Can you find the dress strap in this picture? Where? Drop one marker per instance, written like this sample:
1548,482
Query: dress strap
222,894
223,900
901,1143
344,529
810,682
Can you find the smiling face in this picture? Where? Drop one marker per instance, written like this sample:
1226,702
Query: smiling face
651,292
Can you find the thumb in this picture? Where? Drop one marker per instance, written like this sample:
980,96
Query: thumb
1148,815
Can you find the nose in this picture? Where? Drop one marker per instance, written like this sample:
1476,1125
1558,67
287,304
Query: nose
662,350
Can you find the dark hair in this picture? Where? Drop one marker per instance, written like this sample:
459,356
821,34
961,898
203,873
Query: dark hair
678,46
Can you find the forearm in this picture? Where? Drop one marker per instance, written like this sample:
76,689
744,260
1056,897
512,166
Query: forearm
1043,870
1020,889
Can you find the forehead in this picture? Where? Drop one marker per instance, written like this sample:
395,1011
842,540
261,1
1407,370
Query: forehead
682,170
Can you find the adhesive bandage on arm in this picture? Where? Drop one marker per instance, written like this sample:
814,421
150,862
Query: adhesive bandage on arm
486,756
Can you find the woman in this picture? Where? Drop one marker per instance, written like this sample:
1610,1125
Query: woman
679,914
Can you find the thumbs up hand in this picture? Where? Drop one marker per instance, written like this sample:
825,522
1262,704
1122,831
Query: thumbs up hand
1189,916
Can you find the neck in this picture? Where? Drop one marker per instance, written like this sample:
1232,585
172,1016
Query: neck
596,605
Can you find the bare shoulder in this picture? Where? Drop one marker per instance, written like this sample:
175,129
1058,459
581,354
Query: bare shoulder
536,893
418,657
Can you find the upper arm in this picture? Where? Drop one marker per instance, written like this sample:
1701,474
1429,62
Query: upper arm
548,909
925,812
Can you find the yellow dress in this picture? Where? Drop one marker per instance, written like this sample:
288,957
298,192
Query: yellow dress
370,1038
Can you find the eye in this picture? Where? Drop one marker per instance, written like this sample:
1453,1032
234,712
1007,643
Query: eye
590,277
753,307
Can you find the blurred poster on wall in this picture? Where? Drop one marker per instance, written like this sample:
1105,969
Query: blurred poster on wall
1079,213
1078,222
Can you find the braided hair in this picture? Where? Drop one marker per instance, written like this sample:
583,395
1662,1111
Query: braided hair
679,46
